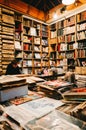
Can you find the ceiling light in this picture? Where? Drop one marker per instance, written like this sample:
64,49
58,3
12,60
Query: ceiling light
55,15
68,2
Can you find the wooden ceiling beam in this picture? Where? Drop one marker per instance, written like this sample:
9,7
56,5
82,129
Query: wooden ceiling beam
48,7
31,1
45,5
52,3
38,3
59,1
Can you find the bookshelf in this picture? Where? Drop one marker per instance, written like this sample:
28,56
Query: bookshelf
61,44
27,39
35,46
70,35
22,38
44,46
81,39
18,37
67,42
0,45
7,38
27,46
53,44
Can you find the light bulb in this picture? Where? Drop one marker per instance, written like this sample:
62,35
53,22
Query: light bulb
68,2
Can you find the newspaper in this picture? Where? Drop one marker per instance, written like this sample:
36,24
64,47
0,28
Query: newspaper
42,106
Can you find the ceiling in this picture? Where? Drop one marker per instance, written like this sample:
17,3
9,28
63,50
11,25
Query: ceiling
43,5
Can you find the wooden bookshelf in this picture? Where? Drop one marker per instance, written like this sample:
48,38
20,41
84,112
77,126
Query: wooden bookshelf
68,36
7,38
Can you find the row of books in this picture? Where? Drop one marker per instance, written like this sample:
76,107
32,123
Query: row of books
37,63
45,49
44,34
27,39
27,22
52,63
60,32
65,47
45,63
17,36
68,30
37,56
81,53
81,81
27,47
61,55
70,38
11,52
70,55
53,27
37,71
81,35
8,19
53,34
27,70
30,31
81,17
62,47
44,28
18,45
81,44
61,24
81,27
27,63
70,47
7,29
8,46
37,26
4,10
7,41
62,62
53,55
45,42
37,40
18,17
44,56
27,55
61,39
4,36
37,48
68,22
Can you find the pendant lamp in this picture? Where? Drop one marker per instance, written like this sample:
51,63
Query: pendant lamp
68,2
